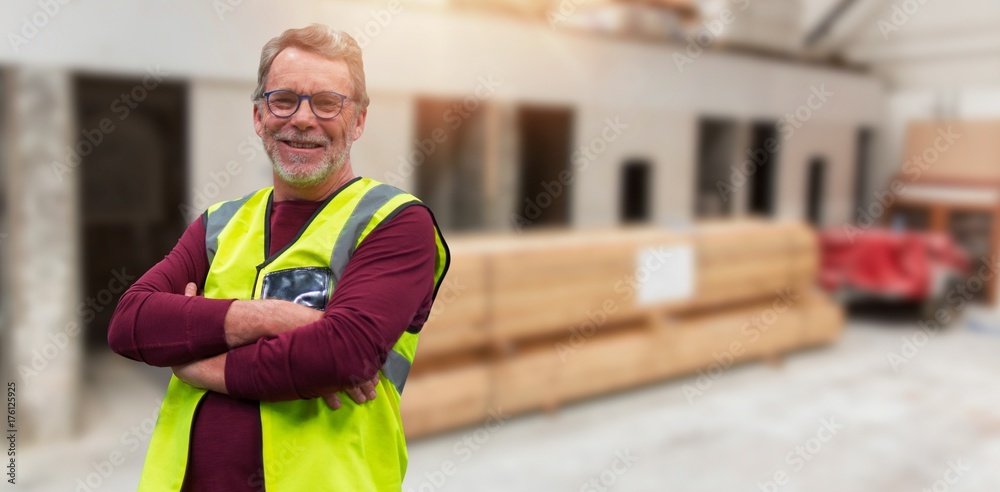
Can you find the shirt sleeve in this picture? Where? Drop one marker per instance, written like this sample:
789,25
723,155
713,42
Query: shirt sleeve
387,286
156,323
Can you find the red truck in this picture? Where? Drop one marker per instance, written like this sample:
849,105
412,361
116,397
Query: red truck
898,266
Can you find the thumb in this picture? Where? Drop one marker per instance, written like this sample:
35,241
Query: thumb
332,401
191,289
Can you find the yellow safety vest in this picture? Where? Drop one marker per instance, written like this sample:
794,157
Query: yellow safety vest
306,445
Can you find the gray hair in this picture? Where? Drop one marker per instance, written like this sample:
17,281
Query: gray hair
323,40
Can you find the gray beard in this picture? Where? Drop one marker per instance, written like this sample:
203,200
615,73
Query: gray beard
331,163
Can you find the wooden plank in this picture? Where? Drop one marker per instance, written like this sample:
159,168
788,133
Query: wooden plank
434,344
726,272
604,363
544,283
457,321
549,320
442,400
823,320
526,380
743,239
539,375
972,157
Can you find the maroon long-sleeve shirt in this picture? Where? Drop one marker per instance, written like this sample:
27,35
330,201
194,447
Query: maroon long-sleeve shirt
387,286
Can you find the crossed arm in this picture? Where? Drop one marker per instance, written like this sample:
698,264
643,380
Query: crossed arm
249,321
275,350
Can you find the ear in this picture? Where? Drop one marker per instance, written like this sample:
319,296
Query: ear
359,123
258,123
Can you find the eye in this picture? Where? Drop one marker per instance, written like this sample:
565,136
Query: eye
283,100
326,102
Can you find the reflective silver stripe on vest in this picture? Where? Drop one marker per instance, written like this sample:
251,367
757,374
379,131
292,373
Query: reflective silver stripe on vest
217,221
396,369
343,249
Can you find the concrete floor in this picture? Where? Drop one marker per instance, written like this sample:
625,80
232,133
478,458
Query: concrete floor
899,431
754,426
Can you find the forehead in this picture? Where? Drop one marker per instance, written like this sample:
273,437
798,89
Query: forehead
306,72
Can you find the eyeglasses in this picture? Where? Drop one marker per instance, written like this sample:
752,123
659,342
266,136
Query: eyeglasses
284,103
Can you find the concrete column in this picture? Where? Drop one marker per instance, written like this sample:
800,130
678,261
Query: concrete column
43,249
6,352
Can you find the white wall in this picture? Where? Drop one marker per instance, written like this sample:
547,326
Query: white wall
836,143
427,51
383,151
666,139
227,159
440,53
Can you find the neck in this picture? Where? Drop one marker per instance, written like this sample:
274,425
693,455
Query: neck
284,191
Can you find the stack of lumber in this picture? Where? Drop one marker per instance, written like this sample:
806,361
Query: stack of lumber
740,261
527,322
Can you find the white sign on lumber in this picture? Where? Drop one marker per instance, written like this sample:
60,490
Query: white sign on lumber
665,274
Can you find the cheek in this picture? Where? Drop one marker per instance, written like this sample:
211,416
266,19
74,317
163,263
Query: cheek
338,133
273,125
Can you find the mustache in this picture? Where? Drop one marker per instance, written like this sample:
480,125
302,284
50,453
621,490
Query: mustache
294,136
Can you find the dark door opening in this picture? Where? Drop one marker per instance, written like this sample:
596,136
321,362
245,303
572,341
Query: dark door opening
448,154
815,189
132,143
763,139
545,134
636,180
715,189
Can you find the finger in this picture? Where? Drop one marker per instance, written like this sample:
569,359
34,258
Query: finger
368,388
332,401
357,394
191,289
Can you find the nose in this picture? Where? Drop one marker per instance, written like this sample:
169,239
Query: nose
303,119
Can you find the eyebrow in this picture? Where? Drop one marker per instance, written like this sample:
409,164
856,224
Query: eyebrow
293,90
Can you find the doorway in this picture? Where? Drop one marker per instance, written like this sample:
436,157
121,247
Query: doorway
815,189
132,145
715,189
636,198
862,165
450,146
545,136
763,137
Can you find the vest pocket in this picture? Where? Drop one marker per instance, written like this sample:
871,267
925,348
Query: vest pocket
308,286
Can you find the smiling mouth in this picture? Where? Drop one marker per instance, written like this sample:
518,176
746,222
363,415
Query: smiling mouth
301,145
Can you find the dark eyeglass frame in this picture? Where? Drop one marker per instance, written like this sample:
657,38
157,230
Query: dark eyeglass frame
298,103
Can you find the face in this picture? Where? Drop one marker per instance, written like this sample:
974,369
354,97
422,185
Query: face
305,150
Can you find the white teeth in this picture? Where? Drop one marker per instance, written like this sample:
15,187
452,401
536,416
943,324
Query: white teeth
302,145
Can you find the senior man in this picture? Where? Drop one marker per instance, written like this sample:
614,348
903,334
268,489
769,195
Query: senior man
317,285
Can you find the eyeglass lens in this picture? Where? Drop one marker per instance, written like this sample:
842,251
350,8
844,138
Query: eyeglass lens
324,104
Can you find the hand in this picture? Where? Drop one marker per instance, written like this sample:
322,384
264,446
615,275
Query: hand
360,393
271,317
248,321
